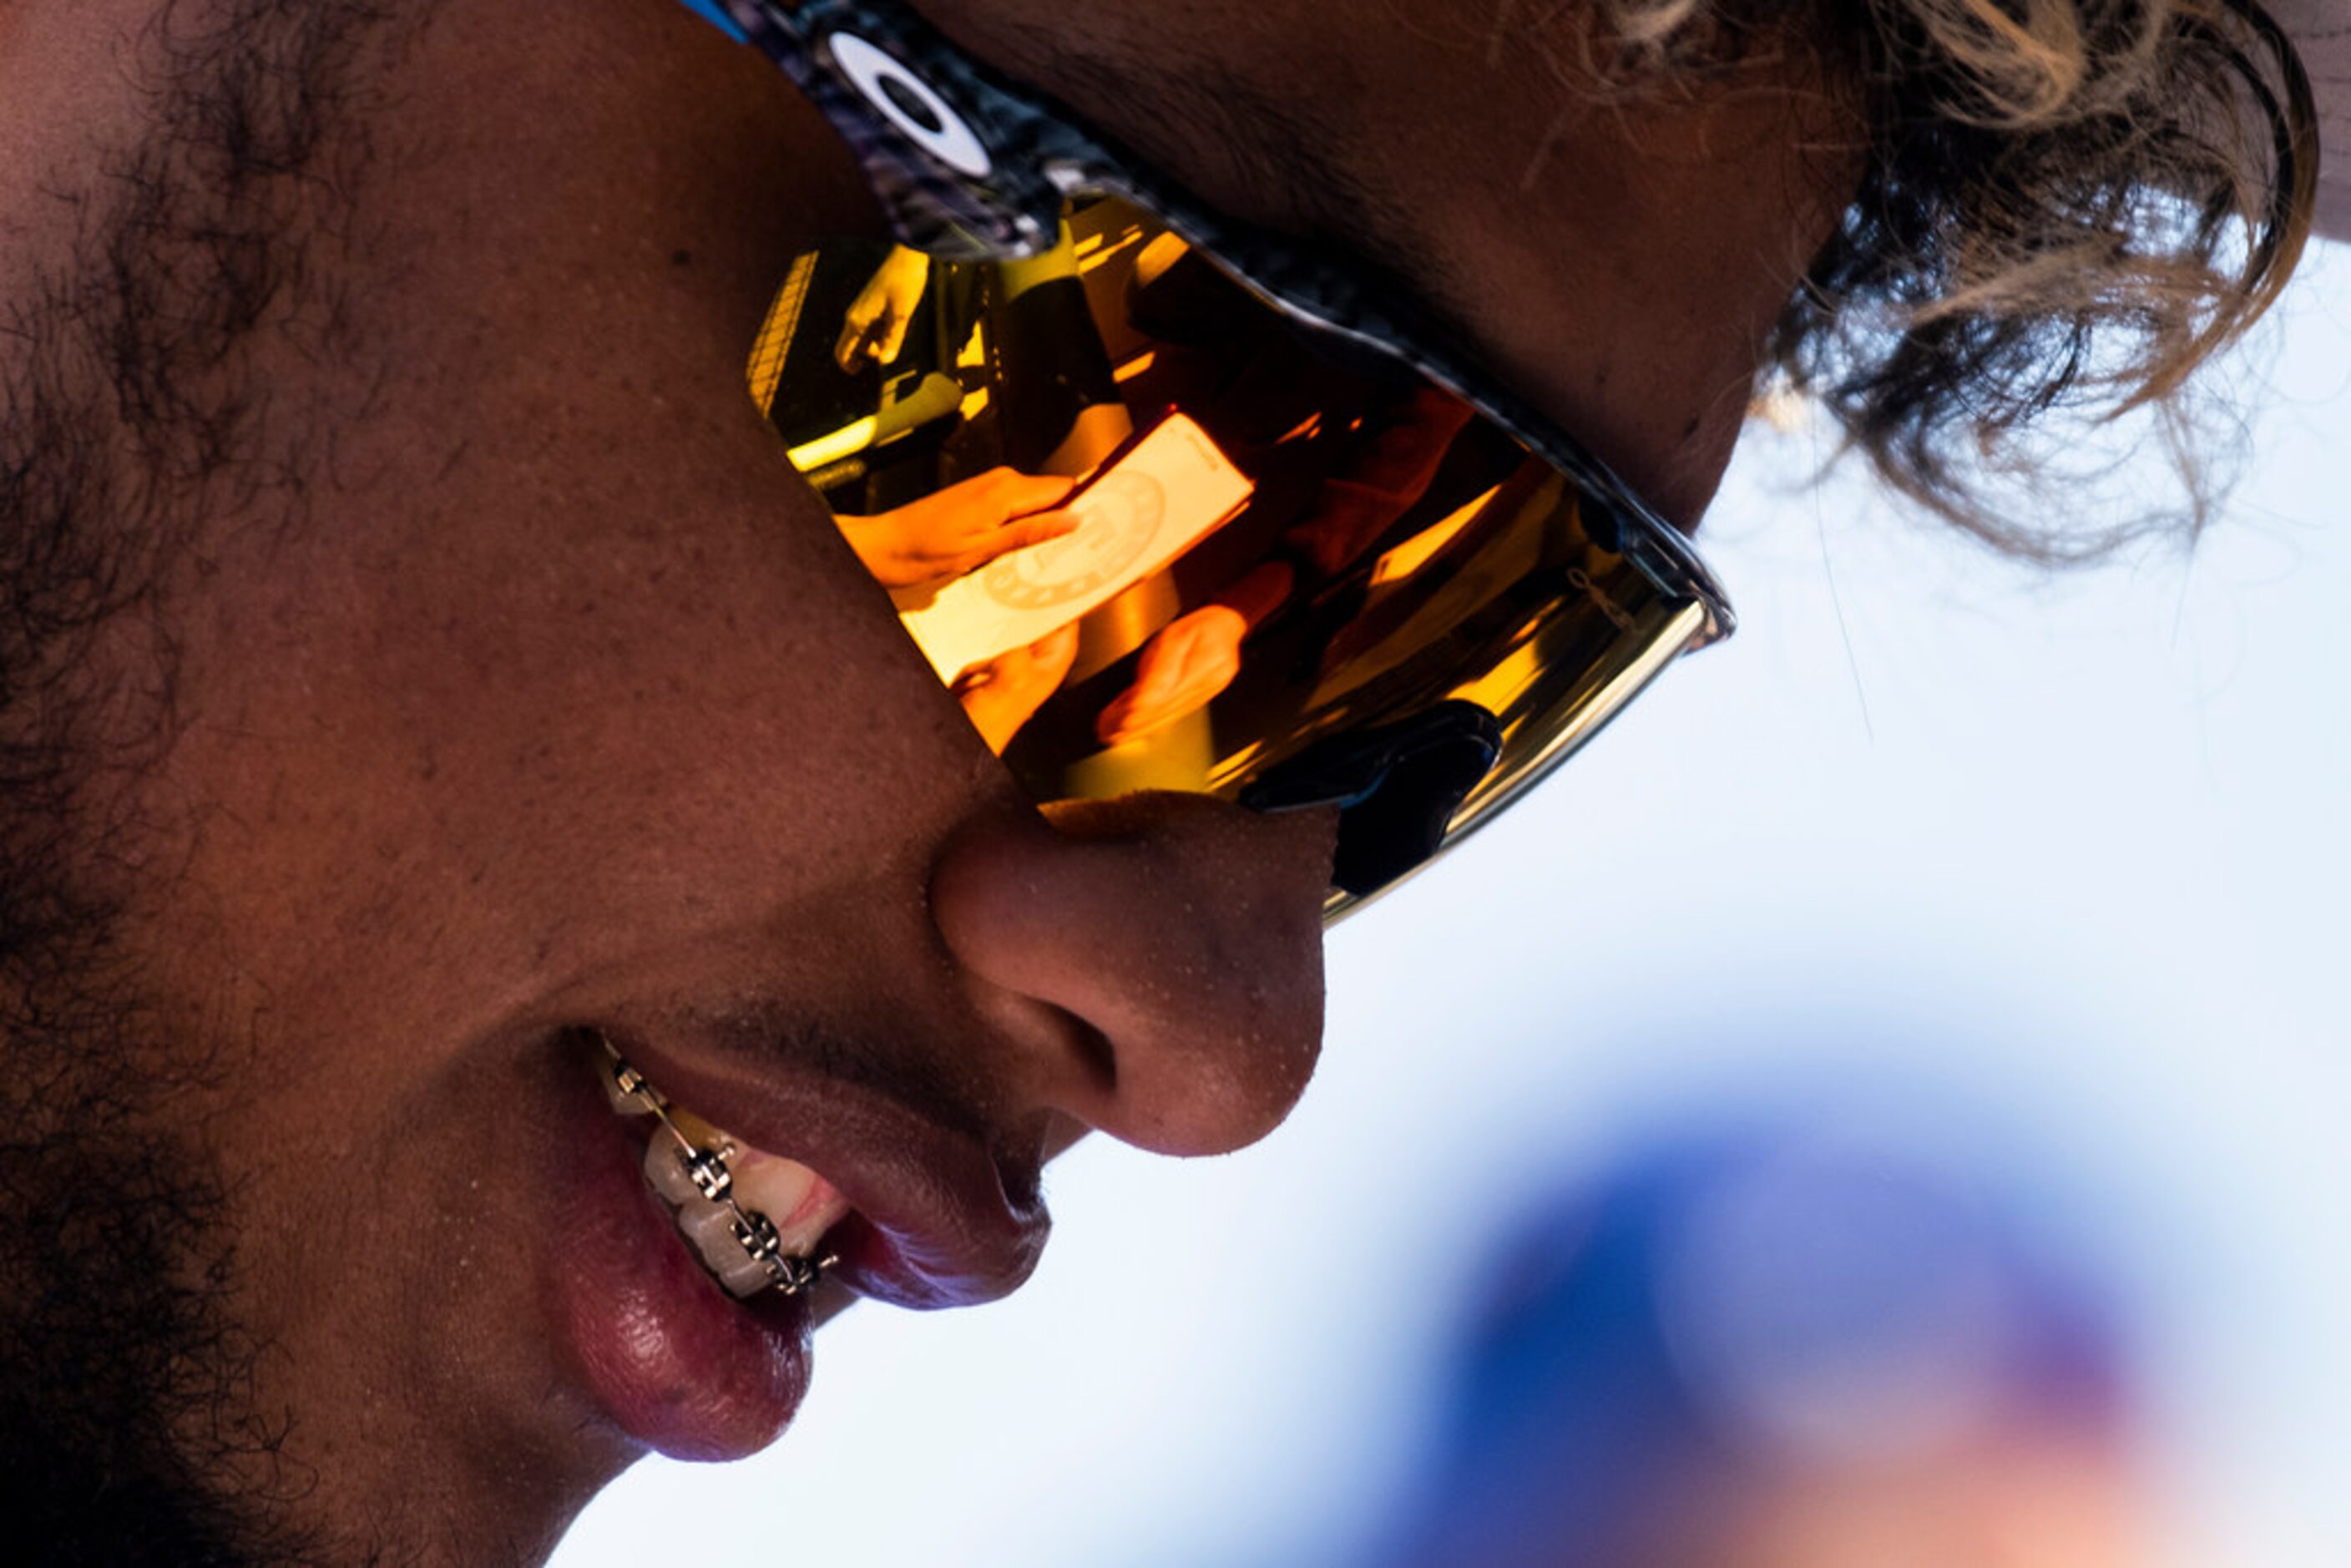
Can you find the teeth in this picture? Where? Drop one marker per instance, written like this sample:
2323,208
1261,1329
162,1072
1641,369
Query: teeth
709,1226
729,1199
802,1202
665,1170
743,1275
699,1133
626,1091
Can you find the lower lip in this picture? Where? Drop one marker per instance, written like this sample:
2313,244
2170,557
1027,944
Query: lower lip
673,1361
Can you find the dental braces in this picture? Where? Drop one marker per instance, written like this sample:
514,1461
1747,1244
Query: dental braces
706,1168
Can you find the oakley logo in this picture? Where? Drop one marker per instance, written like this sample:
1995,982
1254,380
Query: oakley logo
1617,613
911,104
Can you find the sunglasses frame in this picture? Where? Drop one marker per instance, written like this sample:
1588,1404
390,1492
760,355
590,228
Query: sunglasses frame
970,167
1034,154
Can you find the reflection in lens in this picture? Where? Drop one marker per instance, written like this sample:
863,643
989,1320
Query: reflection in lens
1155,534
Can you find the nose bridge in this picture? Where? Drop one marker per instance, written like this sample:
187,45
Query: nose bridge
1167,950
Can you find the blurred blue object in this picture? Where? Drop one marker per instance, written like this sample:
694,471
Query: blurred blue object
1734,1311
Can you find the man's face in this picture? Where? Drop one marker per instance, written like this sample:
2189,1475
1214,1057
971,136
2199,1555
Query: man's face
551,703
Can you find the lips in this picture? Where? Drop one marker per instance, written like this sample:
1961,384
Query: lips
938,1219
673,1360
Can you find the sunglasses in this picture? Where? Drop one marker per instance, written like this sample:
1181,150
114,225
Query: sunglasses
1170,502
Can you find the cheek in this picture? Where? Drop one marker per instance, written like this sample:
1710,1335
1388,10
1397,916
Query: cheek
1702,453
557,717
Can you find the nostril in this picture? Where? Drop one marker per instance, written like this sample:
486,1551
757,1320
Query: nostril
1156,962
1094,1048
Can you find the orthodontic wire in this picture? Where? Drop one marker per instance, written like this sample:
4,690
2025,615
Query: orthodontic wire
706,1168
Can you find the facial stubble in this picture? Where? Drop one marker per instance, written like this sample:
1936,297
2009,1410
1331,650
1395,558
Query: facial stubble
133,413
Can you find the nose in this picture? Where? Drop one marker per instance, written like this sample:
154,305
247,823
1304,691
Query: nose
1160,956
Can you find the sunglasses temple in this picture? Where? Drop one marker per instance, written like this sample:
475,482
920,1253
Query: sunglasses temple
1397,786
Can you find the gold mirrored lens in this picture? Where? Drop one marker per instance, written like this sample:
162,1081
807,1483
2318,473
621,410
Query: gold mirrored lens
1155,535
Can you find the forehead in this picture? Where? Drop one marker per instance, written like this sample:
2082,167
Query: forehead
1617,253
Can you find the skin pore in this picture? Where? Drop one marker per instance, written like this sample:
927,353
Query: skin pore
472,669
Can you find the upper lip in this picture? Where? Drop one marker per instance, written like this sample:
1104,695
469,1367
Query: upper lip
941,1221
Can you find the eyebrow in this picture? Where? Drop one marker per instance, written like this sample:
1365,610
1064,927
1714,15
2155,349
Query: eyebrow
1353,225
1350,225
1375,239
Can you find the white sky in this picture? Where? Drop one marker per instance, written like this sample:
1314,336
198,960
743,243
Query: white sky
2079,868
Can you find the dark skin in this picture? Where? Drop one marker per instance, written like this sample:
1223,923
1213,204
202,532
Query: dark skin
1619,262
568,703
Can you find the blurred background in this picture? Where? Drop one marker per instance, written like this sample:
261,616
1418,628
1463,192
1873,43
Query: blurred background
1883,1103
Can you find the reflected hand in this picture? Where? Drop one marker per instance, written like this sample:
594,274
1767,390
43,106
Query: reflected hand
876,327
929,543
1005,693
1192,659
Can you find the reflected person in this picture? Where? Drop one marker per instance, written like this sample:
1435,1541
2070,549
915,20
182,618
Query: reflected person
874,329
1196,656
918,549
